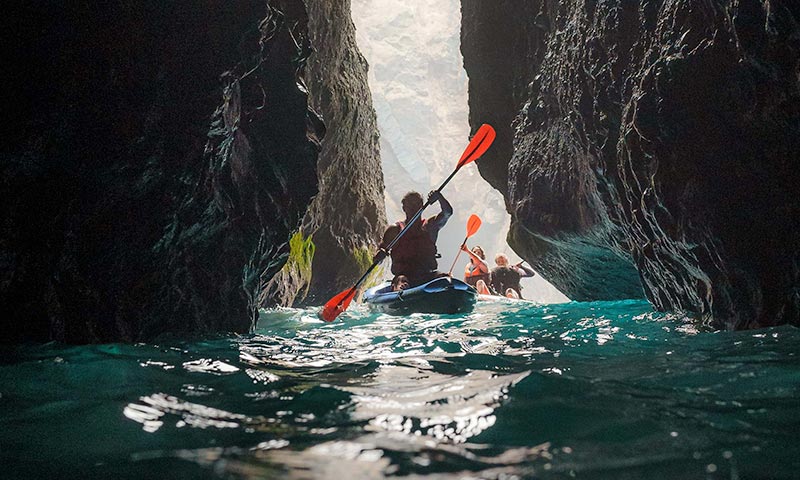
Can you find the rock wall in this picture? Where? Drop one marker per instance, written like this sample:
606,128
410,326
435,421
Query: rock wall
347,217
647,147
159,157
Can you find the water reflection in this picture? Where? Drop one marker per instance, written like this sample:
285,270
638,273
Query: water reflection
532,392
420,401
153,410
377,456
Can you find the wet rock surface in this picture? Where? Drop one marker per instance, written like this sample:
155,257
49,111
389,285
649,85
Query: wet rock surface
160,155
647,147
347,217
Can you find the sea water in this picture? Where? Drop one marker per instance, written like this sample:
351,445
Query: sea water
512,390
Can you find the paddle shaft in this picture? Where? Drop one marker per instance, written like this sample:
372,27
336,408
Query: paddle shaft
457,255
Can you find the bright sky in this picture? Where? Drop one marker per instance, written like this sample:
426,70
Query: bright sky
419,90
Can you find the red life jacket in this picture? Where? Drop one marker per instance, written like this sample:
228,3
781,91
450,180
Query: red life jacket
476,274
415,252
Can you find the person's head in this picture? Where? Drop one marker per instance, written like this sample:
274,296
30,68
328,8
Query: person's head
477,250
412,202
501,259
399,282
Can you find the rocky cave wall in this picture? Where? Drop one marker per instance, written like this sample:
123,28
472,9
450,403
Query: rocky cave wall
647,147
159,157
348,216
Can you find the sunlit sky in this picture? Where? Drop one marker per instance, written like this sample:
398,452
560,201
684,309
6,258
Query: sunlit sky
419,90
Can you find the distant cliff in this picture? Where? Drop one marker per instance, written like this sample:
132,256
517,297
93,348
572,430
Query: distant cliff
347,217
158,159
647,148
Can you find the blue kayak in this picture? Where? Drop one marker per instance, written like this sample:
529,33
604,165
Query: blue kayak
440,295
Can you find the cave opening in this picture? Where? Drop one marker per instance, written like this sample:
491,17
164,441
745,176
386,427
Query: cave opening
420,91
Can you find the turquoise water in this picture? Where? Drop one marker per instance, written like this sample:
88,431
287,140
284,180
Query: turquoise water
586,390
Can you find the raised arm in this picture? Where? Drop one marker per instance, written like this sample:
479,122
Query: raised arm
441,218
482,265
525,272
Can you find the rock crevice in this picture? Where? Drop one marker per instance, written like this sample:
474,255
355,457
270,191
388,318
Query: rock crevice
647,148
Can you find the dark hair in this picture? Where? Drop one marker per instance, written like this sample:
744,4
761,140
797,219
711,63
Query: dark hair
412,195
482,255
397,280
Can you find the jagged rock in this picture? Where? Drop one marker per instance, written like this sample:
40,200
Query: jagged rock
348,216
647,146
161,155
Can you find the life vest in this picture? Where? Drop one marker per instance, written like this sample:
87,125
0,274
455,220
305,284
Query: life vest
415,252
476,274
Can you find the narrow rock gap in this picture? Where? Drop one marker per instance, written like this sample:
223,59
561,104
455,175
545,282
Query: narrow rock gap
419,90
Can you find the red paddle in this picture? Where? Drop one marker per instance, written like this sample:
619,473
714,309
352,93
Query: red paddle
480,142
473,224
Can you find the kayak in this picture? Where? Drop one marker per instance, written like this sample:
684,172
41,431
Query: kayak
440,295
501,299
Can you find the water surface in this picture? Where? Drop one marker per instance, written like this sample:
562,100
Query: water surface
586,390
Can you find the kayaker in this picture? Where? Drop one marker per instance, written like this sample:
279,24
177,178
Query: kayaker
477,269
505,276
399,282
414,255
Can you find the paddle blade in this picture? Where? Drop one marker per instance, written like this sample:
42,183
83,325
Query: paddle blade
337,305
480,142
473,224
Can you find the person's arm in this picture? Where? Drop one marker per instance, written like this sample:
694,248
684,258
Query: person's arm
482,265
439,220
388,236
525,272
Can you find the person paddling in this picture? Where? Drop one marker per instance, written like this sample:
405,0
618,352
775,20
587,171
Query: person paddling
506,277
477,270
414,255
478,144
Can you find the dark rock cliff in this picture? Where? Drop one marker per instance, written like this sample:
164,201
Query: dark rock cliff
348,215
160,155
647,146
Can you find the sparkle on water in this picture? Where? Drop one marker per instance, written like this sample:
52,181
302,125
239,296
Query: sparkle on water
513,390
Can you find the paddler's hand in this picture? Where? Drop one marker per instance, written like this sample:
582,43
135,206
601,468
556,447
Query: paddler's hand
380,256
464,248
434,196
